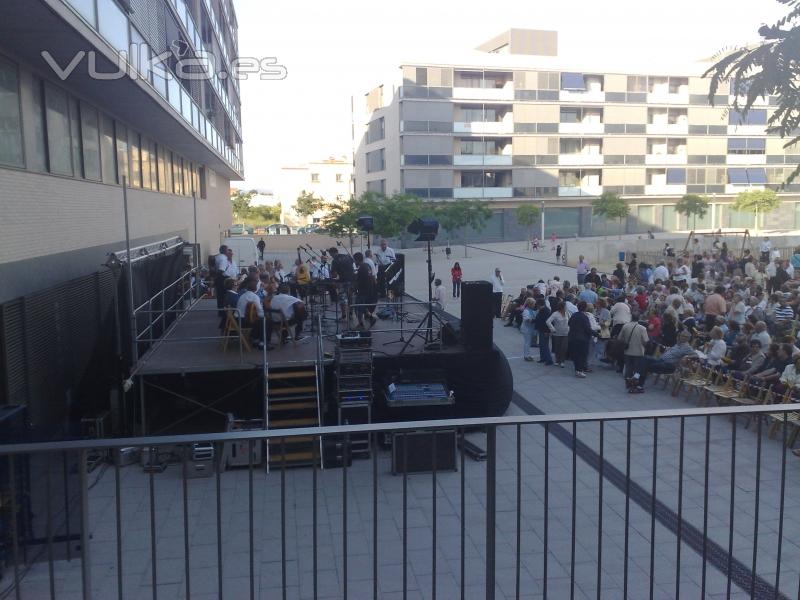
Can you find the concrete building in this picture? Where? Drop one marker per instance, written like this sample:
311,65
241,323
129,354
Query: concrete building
330,179
68,142
515,123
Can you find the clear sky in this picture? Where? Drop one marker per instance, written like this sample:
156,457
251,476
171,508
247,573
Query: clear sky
333,50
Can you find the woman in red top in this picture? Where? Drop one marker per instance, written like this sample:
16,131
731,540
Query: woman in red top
456,273
654,326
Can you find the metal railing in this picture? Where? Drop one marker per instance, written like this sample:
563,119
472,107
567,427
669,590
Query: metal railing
614,505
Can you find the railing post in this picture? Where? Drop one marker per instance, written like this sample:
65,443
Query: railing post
491,514
86,565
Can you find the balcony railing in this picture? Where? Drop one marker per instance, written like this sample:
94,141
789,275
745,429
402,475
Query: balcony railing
666,97
501,127
664,189
665,159
479,93
580,159
483,192
582,96
747,159
493,160
660,503
580,190
667,128
583,127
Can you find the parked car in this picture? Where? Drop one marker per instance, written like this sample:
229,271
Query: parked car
237,229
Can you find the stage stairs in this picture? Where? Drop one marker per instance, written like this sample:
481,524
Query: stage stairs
293,401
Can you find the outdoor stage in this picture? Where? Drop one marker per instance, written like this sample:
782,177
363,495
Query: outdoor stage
192,384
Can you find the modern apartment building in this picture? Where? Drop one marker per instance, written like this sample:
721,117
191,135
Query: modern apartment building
518,124
68,140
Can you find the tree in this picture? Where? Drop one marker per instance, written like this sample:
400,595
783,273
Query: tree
692,205
756,202
769,68
527,216
240,203
308,204
610,206
463,214
268,214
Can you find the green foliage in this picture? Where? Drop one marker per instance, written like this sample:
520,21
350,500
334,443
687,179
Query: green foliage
240,203
462,213
770,68
391,214
692,205
757,201
308,204
527,214
264,214
610,206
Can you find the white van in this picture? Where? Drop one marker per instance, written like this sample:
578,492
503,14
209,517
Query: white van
245,253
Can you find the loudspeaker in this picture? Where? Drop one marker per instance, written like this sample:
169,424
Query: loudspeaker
418,458
477,315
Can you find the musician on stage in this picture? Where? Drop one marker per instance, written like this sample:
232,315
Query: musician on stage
343,271
292,309
385,257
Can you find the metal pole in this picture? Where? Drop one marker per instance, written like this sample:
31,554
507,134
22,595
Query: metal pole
196,250
86,563
541,218
134,349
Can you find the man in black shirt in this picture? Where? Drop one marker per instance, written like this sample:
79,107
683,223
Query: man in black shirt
343,271
366,290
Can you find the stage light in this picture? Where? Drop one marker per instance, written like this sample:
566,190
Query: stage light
365,223
425,229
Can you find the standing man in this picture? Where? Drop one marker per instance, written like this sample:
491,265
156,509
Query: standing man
370,263
681,274
220,263
343,270
714,307
385,257
581,269
497,290
261,245
765,247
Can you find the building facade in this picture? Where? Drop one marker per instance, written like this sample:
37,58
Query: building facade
330,179
74,127
529,128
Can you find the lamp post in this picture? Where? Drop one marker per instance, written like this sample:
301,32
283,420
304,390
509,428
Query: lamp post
541,237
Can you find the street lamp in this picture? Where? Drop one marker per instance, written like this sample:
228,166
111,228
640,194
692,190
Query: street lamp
541,237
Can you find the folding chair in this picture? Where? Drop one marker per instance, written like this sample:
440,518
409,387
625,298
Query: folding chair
232,329
280,324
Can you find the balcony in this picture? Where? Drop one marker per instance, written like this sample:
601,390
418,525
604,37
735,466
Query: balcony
664,189
484,127
483,192
477,160
581,190
584,127
505,93
582,96
666,97
730,188
665,159
667,129
747,159
747,129
580,159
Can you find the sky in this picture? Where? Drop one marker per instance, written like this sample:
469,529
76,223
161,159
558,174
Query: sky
335,50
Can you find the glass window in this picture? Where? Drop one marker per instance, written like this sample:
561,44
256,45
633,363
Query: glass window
570,115
37,159
162,173
174,92
422,76
757,176
10,117
637,83
755,116
86,9
135,158
176,174
573,81
170,187
187,178
90,142
122,153
153,165
676,176
113,24
108,153
696,176
569,178
58,131
146,181
75,135
141,54
747,145
737,176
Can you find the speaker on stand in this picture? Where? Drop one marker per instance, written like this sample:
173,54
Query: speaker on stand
477,312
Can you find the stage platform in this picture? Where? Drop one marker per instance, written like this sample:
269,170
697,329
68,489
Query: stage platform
193,344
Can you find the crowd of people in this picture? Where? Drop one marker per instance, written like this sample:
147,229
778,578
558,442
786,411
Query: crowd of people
732,313
265,294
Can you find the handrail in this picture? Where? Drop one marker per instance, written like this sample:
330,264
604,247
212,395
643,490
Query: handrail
257,434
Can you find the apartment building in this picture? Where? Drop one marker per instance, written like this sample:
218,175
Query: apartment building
69,139
330,179
518,124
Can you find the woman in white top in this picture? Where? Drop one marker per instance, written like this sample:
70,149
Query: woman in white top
558,323
715,349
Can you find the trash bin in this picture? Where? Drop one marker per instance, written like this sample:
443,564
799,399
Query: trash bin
621,257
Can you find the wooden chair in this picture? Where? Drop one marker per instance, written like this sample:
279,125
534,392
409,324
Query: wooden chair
280,324
778,418
717,383
232,329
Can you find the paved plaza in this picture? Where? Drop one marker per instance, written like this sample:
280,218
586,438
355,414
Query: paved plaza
572,529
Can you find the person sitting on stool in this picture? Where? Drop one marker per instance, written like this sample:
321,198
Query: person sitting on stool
292,309
255,323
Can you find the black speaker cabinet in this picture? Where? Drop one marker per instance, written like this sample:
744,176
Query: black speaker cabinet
477,315
418,458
